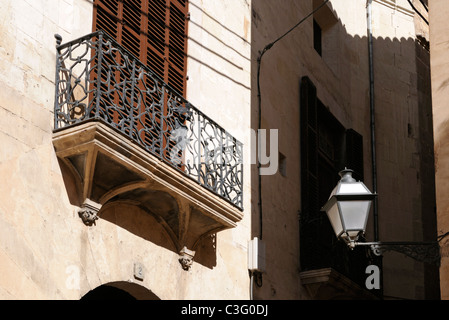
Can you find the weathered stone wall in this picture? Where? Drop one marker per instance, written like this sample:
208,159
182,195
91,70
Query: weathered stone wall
439,41
403,126
46,251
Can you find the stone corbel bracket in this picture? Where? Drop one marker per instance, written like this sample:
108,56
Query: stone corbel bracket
186,258
89,212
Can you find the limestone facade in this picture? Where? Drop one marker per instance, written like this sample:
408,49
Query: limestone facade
403,129
48,252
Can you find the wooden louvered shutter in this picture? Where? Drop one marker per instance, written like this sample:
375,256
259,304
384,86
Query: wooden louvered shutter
154,31
156,50
122,21
107,17
177,45
309,175
167,41
166,54
309,147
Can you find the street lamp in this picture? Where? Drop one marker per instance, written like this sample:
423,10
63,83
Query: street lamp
348,209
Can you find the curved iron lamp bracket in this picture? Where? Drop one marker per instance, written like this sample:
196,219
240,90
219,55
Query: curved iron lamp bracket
428,252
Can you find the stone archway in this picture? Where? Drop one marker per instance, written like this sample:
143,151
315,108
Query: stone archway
120,290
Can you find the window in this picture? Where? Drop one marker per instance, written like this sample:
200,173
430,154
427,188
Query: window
327,35
154,31
317,37
326,148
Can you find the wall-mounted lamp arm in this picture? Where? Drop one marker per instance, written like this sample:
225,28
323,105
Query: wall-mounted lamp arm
421,251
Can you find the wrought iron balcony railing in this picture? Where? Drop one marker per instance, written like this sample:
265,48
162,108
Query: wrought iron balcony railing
99,80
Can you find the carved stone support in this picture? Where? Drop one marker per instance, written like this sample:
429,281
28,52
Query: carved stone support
89,212
186,258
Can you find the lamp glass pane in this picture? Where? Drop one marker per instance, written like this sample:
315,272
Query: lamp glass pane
352,188
353,234
354,214
334,217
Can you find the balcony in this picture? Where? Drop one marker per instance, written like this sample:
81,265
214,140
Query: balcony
124,134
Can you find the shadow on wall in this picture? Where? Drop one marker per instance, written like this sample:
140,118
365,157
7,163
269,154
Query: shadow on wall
150,227
339,69
149,214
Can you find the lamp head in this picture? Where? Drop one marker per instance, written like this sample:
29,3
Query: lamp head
348,207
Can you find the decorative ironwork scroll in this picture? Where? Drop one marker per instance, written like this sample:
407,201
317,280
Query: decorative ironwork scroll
99,80
421,251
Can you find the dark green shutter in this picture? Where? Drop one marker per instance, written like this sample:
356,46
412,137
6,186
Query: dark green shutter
309,178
